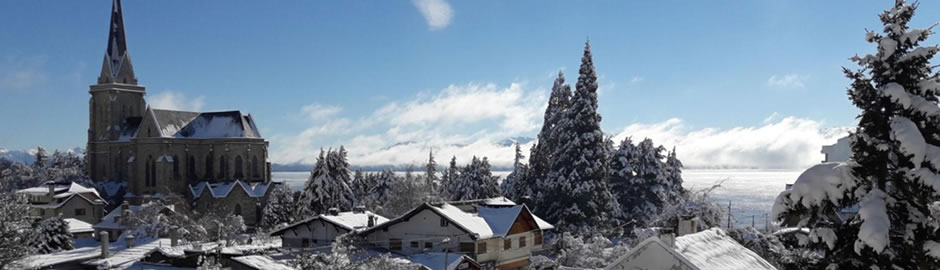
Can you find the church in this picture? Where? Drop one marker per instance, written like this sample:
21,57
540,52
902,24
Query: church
163,151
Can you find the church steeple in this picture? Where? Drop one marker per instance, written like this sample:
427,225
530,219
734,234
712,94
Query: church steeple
117,66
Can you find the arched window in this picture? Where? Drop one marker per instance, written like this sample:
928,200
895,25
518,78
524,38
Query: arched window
254,167
117,168
239,168
238,210
147,173
191,165
223,168
176,168
151,172
209,172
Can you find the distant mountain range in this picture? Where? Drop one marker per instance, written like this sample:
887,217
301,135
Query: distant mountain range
29,155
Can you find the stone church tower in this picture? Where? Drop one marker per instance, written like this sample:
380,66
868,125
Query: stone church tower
116,98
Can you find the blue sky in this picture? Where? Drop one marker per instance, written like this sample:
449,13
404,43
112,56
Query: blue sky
451,76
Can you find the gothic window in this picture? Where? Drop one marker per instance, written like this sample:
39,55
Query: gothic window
223,168
239,168
209,171
147,172
191,165
254,167
238,210
176,168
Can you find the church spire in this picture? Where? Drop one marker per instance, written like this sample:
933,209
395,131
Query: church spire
117,62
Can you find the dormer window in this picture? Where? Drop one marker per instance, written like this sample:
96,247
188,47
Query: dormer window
444,222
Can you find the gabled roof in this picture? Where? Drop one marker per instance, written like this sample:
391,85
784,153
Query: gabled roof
714,249
201,125
261,262
479,221
108,222
436,260
652,253
78,226
223,189
350,221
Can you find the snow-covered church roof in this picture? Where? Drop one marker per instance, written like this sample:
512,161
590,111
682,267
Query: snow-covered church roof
223,189
205,125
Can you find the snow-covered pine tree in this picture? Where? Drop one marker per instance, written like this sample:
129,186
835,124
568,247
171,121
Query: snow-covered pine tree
540,157
52,235
514,186
621,176
449,177
42,157
15,229
328,185
430,174
361,186
577,185
384,182
893,175
280,209
649,188
474,182
674,175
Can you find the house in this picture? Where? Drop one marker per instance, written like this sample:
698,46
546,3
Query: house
841,151
321,230
494,232
70,200
706,250
115,221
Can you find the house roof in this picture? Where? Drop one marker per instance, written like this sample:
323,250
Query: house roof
436,260
652,253
60,188
480,221
222,189
108,222
78,226
261,262
714,249
350,221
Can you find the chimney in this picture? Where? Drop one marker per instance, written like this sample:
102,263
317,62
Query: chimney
371,221
124,208
687,225
129,240
174,236
51,186
668,236
334,211
104,243
359,209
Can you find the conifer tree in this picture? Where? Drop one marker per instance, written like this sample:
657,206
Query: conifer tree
449,177
893,175
328,185
52,235
540,157
384,182
514,187
280,209
430,173
474,182
42,157
580,197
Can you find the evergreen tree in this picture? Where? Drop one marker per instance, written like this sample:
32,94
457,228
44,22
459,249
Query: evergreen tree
384,182
540,157
646,192
328,185
514,187
42,157
361,187
674,175
580,197
621,175
281,209
15,229
449,178
474,182
52,235
430,174
893,175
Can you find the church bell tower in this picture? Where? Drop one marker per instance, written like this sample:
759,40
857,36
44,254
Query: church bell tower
114,99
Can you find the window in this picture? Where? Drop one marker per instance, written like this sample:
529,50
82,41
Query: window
176,168
481,247
394,244
444,222
305,242
223,168
239,170
507,244
428,245
238,210
414,244
79,211
522,241
209,171
254,167
42,212
153,174
191,165
466,247
538,237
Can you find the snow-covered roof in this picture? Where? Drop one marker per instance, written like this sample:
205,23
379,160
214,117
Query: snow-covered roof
714,249
121,257
352,221
73,188
471,223
435,260
78,226
499,219
125,257
261,262
108,222
652,253
222,190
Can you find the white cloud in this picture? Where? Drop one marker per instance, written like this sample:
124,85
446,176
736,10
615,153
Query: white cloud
21,74
636,80
437,12
171,100
461,120
787,81
788,143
